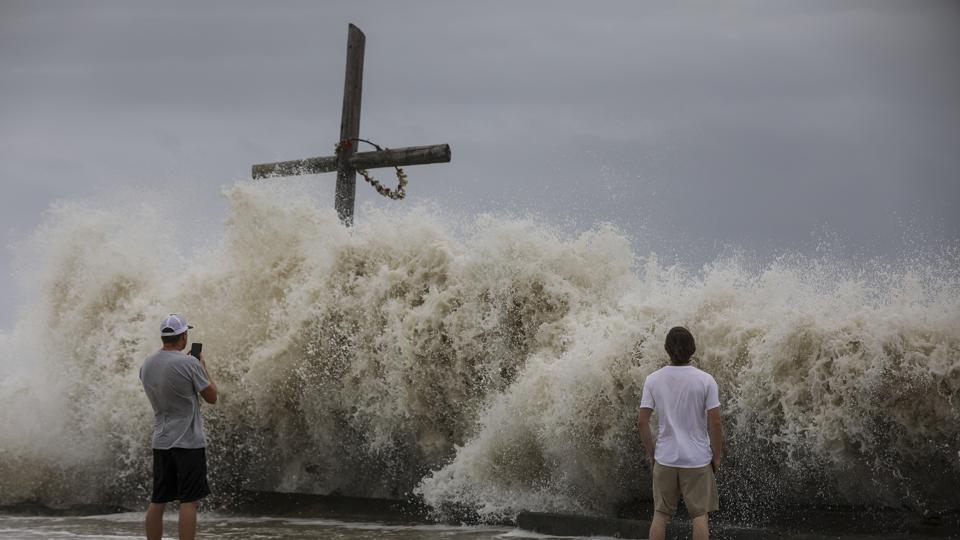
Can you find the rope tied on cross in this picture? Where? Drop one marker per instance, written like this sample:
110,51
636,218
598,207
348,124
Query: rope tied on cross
395,194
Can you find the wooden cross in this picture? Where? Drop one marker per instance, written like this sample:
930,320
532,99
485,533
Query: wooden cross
348,160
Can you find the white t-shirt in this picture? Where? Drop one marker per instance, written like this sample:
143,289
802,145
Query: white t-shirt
681,397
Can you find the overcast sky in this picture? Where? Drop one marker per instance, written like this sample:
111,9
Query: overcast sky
760,125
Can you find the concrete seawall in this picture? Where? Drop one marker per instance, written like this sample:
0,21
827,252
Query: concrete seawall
822,525
587,526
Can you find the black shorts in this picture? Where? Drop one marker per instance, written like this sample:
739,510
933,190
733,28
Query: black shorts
179,474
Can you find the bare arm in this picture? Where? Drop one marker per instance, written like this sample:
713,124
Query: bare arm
643,424
715,429
209,394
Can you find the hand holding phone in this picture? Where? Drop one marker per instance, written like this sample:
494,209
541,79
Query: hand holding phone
195,349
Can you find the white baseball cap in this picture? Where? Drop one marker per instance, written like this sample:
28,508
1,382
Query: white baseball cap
173,325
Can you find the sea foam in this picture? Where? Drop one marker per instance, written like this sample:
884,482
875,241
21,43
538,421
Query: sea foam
487,365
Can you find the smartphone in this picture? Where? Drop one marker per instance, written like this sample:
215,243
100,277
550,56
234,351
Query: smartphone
195,349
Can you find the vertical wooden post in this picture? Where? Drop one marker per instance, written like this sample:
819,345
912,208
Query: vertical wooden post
350,125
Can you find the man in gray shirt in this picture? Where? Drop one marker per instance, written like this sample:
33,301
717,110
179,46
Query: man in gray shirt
172,380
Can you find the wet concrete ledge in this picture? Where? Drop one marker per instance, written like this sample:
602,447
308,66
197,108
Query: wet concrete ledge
852,524
577,525
410,512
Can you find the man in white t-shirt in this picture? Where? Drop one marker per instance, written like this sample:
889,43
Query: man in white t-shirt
686,454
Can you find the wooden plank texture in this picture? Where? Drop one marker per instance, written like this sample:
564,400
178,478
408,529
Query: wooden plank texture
296,167
350,124
400,157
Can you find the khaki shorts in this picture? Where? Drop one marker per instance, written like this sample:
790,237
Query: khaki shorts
698,487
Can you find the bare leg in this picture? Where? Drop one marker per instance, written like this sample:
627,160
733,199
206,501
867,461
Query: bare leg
154,521
701,529
658,527
188,520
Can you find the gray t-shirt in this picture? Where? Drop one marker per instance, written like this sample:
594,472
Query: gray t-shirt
172,381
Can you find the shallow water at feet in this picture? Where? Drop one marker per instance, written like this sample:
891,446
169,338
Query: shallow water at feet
130,525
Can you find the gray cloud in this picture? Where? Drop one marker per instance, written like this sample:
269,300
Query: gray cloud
755,124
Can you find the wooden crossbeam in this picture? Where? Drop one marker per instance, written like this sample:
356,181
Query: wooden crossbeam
400,157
